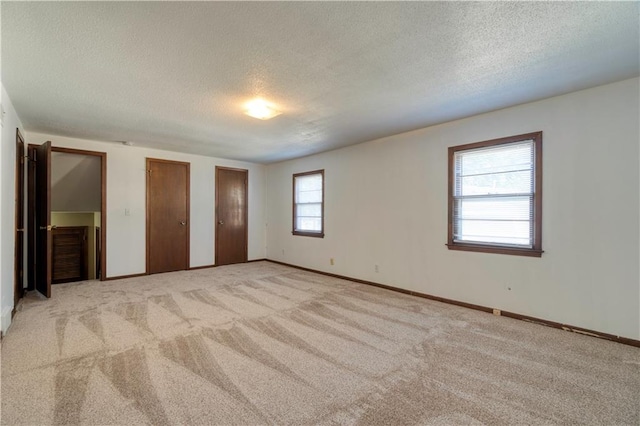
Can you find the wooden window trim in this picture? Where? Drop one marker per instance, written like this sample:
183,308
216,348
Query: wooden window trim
294,211
536,249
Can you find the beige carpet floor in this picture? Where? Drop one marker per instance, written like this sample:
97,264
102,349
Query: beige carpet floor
262,343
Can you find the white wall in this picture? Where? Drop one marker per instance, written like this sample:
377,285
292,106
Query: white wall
386,204
75,182
126,177
10,122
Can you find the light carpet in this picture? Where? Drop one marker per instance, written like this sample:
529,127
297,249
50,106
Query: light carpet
262,343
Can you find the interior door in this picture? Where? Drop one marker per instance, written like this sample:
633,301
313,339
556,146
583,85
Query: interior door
31,217
167,216
98,255
231,215
19,244
43,218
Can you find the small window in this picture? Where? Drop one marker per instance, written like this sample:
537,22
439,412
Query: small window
308,204
495,196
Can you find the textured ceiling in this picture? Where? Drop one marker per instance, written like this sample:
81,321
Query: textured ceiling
175,75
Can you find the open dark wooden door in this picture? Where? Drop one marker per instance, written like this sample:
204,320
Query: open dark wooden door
167,216
43,218
98,249
18,289
231,215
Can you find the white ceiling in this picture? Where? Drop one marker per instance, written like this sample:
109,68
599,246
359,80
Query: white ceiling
175,75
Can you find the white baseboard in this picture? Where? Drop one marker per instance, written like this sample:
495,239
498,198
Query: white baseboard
5,320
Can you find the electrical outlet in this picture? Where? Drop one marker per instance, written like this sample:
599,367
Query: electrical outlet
283,252
376,268
497,312
331,261
127,212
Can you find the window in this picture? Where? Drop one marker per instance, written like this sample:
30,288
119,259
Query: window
308,204
495,196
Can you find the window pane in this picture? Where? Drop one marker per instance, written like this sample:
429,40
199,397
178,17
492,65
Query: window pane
501,158
311,196
499,232
519,182
313,224
313,210
309,182
504,208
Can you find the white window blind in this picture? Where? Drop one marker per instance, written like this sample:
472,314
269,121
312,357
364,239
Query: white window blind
308,203
493,195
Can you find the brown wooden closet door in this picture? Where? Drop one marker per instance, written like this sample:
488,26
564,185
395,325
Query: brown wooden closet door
43,218
231,215
18,288
167,216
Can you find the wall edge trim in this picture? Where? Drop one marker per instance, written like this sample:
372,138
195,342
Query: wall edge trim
6,319
193,268
122,277
539,321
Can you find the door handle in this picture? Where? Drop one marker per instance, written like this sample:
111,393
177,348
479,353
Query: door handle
183,223
220,222
48,228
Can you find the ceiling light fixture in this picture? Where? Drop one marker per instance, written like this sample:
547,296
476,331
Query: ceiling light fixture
261,109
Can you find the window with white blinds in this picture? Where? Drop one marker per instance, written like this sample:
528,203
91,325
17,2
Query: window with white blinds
495,196
308,203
